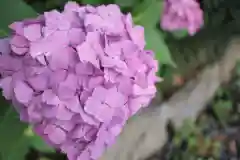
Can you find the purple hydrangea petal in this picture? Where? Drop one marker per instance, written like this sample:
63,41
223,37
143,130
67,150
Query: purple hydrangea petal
55,134
76,36
98,110
33,32
23,92
116,99
71,6
50,98
5,46
84,69
39,82
67,88
73,104
137,35
87,54
7,86
62,113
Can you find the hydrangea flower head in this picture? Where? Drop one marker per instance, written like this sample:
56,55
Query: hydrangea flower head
77,76
182,14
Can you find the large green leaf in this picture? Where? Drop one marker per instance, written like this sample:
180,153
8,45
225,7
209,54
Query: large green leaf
156,43
19,151
3,108
126,3
37,142
13,10
11,135
148,14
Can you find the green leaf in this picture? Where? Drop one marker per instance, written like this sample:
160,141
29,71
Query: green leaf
156,43
37,142
177,140
180,33
13,10
126,3
12,140
44,158
19,151
3,33
50,4
148,13
217,146
92,2
192,142
222,108
187,128
4,107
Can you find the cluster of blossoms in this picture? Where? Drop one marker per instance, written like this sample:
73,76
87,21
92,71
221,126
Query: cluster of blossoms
78,75
182,14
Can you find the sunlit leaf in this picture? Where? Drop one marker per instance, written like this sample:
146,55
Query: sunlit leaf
148,13
156,43
37,142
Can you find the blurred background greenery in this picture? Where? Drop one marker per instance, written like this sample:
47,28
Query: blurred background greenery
215,135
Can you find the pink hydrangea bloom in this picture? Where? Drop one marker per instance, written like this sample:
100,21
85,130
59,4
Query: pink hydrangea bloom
77,76
182,14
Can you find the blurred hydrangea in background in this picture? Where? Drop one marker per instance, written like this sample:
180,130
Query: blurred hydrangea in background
78,75
182,14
